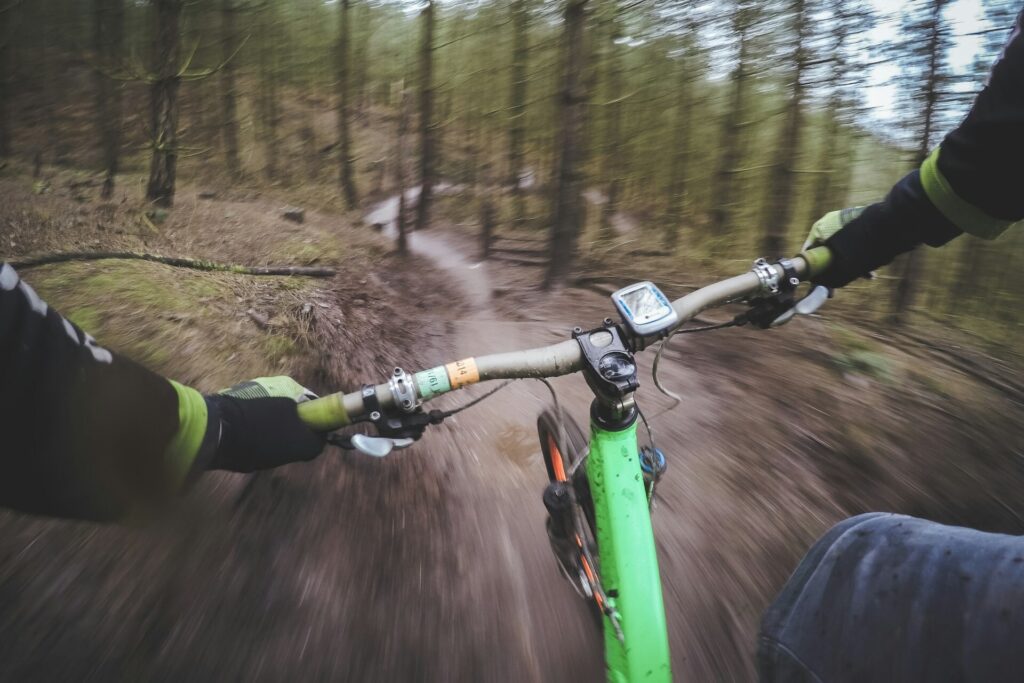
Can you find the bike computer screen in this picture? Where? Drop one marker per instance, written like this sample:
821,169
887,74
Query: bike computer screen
644,308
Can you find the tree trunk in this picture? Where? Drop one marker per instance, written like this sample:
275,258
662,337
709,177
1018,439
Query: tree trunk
108,39
427,129
567,218
681,152
731,143
7,25
267,96
52,76
163,104
614,160
344,56
360,63
517,103
228,88
910,264
781,197
403,123
829,188
824,196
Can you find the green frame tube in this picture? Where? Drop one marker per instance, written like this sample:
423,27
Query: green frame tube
628,559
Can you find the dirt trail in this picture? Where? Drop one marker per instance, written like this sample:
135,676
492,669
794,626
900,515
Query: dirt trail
433,565
543,625
765,453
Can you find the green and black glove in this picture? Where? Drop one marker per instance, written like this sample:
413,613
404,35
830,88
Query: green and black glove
864,238
250,426
259,426
828,225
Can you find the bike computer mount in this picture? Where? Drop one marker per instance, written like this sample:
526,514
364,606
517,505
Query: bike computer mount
644,309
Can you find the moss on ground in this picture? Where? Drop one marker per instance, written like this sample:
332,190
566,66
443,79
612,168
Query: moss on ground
189,325
320,248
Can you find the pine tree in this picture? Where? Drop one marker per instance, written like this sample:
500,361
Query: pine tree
344,57
568,212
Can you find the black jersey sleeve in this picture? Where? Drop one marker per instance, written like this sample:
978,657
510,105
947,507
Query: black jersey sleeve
969,184
84,433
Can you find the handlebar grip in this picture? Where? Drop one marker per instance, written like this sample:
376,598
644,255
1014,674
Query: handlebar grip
325,414
818,260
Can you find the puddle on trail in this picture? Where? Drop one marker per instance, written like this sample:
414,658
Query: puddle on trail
517,444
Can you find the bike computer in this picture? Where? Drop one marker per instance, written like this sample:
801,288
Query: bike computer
645,309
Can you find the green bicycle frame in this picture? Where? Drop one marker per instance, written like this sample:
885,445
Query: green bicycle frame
628,559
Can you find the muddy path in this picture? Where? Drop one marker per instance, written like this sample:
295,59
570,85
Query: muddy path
433,564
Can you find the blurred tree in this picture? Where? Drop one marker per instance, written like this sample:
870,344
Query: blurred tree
363,20
267,99
682,147
848,21
52,86
427,127
781,197
742,18
402,219
570,178
9,19
108,43
229,87
924,52
163,107
520,10
344,57
614,147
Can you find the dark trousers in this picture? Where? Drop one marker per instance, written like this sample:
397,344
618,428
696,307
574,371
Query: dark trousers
885,597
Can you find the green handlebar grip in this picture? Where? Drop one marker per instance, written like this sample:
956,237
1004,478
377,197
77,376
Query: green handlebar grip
324,414
818,260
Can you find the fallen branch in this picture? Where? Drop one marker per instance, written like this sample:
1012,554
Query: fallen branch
195,264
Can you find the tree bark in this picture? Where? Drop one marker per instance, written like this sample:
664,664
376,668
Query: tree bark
108,38
567,218
681,151
7,24
517,103
614,159
911,266
228,88
824,195
344,56
781,198
403,123
163,104
267,96
831,184
427,129
731,142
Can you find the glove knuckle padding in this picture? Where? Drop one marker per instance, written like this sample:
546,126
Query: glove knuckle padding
262,433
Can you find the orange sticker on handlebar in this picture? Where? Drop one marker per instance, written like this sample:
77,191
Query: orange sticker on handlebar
462,372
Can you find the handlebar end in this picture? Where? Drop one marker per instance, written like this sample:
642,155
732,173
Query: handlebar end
324,414
818,260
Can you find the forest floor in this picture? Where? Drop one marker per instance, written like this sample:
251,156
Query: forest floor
432,564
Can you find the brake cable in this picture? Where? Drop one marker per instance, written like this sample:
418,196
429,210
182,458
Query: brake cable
469,404
676,398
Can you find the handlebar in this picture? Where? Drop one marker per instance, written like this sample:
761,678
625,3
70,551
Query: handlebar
406,391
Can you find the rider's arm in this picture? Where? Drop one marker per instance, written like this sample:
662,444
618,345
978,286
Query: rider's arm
968,184
86,433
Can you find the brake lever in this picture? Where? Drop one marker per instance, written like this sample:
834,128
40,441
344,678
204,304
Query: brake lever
814,300
778,310
378,446
808,305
